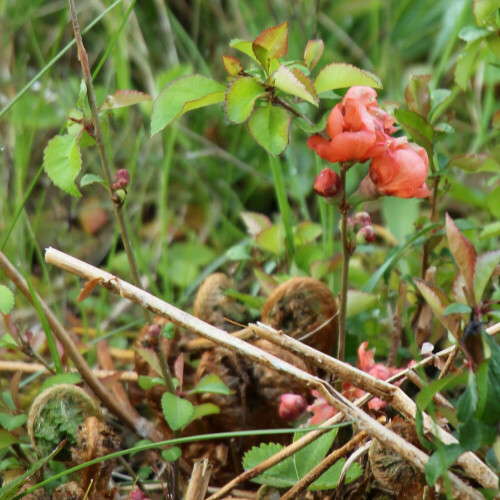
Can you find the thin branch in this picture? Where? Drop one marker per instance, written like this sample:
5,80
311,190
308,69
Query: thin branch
449,362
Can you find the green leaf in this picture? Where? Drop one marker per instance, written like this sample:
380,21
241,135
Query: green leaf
313,52
89,179
456,308
233,65
82,95
269,127
488,375
7,300
294,82
473,434
466,62
10,422
312,454
329,479
417,94
204,410
340,75
463,251
150,357
425,396
241,95
61,378
493,202
255,223
6,439
272,239
470,163
307,232
243,46
490,231
272,43
124,98
484,9
149,382
417,127
62,162
471,33
172,454
310,128
485,265
211,384
467,403
358,301
440,461
177,411
182,95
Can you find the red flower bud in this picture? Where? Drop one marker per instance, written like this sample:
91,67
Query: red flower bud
138,495
291,406
361,219
328,184
121,180
365,235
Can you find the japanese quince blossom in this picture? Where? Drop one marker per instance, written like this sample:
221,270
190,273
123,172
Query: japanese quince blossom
322,411
359,130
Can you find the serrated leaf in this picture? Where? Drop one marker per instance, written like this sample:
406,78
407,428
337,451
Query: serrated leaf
466,62
7,300
467,403
358,301
329,479
485,265
438,302
484,9
124,98
274,40
313,52
463,251
340,75
182,95
269,127
61,378
417,94
204,410
211,384
62,162
312,454
493,202
11,422
255,223
294,82
440,461
457,308
417,127
240,98
177,411
172,454
89,179
233,65
243,46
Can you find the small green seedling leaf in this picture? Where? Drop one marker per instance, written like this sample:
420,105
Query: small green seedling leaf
296,83
211,384
204,410
182,95
471,33
233,65
269,127
147,383
463,251
178,411
7,300
172,454
7,439
272,239
82,95
307,232
150,357
312,54
440,461
417,94
340,75
456,308
89,179
62,162
10,422
358,301
61,378
240,99
124,98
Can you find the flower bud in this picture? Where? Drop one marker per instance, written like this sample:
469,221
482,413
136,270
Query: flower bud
361,219
365,235
292,406
121,180
329,185
137,494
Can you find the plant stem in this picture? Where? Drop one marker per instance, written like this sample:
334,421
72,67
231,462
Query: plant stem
434,217
99,139
343,208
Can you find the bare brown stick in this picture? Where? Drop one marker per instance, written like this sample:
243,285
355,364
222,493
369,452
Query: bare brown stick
385,436
397,326
449,362
198,484
98,136
323,466
141,426
21,366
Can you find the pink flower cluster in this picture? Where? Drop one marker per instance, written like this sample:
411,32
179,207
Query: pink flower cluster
359,130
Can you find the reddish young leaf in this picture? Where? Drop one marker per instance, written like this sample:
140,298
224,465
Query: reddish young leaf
88,288
274,40
233,65
179,369
417,94
313,52
293,81
464,253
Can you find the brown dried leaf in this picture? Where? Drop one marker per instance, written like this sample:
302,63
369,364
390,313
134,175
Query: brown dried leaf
88,288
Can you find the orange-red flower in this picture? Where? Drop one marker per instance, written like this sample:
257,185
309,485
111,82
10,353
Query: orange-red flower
401,170
357,128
